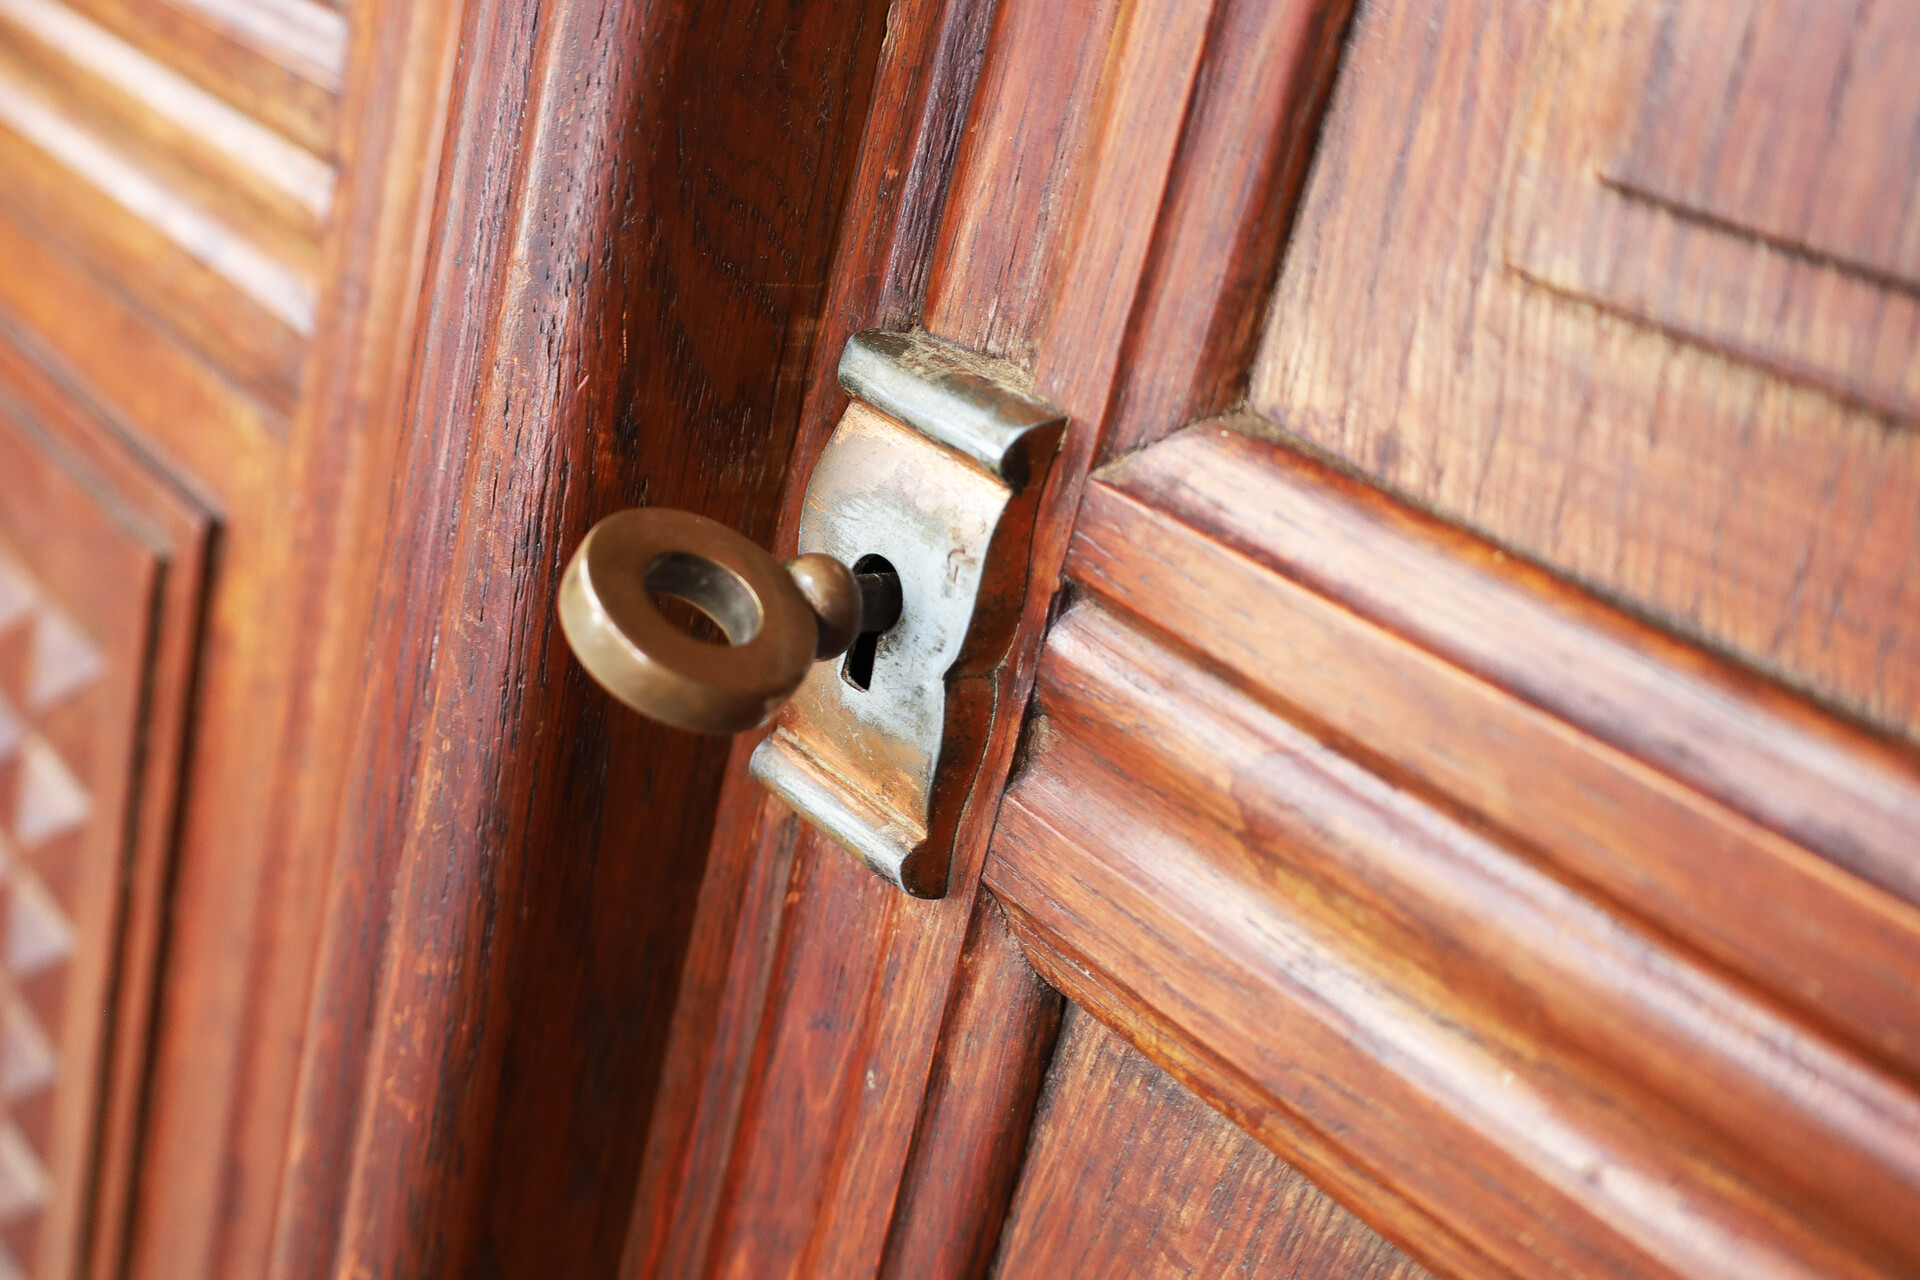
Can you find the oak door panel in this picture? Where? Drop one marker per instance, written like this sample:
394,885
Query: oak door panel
1669,779
163,228
1396,912
1129,1174
1723,139
101,568
208,219
1740,173
1482,857
1422,332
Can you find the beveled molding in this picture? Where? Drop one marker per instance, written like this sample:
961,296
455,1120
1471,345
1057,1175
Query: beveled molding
1549,943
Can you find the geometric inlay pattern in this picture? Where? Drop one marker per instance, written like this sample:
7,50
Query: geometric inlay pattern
47,663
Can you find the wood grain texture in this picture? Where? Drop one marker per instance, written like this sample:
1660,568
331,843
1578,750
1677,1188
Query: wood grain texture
719,1010
971,1144
202,216
1099,170
1406,988
1016,179
924,84
623,315
1128,1173
1587,734
102,570
1263,79
1229,1092
1722,258
288,625
1118,168
1296,821
1731,504
202,281
223,159
1713,133
188,410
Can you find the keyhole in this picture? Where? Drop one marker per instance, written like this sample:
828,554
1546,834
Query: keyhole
857,668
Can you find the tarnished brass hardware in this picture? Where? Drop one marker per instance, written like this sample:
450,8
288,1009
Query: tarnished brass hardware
776,620
883,639
936,466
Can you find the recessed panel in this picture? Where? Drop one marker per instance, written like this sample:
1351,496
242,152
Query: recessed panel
99,578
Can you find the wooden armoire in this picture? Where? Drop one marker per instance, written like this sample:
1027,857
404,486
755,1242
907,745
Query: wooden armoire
1443,795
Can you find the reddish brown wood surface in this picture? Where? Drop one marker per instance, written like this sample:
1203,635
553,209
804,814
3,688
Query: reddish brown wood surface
1729,501
624,318
1228,208
971,1142
1714,134
183,268
283,62
1130,1174
205,216
1470,1034
1640,183
871,997
215,228
924,82
1547,943
1302,846
302,511
102,568
1587,734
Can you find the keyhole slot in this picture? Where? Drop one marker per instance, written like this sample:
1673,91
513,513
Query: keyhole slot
711,593
857,667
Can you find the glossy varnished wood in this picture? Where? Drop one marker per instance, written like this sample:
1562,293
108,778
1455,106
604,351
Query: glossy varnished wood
1545,941
1242,898
1175,837
1672,781
1673,171
1728,500
991,281
105,564
205,217
923,88
1082,161
625,318
1228,209
1128,1173
971,1145
283,62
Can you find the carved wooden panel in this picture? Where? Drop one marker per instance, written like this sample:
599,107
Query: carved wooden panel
1543,942
1715,130
1671,407
100,565
1130,1174
183,155
1740,172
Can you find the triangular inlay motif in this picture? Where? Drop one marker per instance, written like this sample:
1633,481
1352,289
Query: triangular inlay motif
23,1179
64,660
51,799
27,1058
38,932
